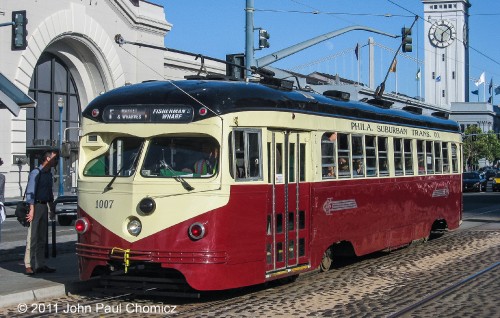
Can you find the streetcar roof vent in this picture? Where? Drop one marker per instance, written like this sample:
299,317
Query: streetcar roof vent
444,115
413,109
278,83
337,95
213,77
380,103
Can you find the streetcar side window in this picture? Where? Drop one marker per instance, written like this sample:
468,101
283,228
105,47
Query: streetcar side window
328,155
343,154
358,158
120,159
291,162
383,164
398,156
438,160
245,154
421,156
408,157
454,158
446,162
371,156
429,155
302,162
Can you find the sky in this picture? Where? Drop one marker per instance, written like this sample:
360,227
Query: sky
217,27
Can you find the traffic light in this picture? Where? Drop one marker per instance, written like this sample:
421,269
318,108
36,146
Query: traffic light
263,39
233,70
19,32
406,39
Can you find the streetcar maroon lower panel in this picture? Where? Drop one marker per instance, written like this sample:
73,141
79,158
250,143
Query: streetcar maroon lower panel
370,214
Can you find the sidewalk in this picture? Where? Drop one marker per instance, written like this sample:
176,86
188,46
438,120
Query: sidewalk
16,287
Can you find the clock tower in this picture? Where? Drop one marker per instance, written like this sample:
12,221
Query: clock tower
446,51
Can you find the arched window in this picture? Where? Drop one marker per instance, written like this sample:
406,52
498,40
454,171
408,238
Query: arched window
51,80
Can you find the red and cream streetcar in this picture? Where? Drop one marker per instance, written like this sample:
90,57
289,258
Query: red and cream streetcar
232,184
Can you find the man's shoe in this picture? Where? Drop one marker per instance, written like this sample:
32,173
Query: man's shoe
45,269
29,271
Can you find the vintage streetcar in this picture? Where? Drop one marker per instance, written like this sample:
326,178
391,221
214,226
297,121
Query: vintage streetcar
228,184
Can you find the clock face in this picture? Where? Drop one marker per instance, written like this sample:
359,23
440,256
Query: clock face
442,34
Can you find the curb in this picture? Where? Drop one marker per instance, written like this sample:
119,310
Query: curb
56,290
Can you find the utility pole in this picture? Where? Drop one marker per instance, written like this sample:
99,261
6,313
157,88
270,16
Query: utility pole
249,57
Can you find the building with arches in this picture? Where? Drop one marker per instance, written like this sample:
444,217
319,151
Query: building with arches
71,57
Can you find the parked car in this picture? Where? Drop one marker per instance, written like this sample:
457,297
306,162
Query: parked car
489,174
473,181
66,209
496,182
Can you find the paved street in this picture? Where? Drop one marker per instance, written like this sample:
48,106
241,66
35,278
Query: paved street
379,285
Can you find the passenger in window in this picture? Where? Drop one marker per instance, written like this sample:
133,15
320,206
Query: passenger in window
208,164
329,172
383,166
358,168
343,166
333,137
399,165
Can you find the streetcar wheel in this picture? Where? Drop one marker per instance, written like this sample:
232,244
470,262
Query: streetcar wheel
326,262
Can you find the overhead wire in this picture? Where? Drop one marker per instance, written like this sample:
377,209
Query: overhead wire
383,15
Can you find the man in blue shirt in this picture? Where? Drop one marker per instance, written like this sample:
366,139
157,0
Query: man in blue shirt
39,196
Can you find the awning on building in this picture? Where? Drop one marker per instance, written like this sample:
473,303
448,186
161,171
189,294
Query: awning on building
12,98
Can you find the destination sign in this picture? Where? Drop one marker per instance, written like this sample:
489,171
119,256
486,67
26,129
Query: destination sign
395,130
148,114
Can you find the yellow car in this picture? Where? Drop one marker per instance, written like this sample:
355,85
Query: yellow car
496,182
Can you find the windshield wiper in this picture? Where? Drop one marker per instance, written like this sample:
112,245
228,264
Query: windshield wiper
177,178
109,186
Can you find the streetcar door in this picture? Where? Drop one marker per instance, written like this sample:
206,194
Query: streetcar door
286,218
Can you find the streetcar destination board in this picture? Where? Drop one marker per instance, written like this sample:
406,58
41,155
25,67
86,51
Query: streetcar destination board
148,114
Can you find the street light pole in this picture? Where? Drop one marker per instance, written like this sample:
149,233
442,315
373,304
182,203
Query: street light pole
60,104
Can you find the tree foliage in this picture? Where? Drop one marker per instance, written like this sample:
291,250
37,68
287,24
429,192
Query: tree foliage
478,145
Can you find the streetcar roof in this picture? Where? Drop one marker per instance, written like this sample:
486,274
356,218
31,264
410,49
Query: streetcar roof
228,96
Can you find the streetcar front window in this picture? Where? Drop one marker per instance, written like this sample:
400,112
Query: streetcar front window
120,159
189,157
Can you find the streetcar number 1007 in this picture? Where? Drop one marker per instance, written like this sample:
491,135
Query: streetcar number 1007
104,204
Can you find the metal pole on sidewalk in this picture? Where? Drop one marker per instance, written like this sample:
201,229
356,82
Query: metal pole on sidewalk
60,104
54,252
46,243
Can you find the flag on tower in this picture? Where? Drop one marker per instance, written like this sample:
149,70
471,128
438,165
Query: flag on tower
417,77
476,92
438,79
480,80
356,51
491,86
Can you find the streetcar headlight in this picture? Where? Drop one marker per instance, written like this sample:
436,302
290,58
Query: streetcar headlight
134,226
82,225
147,205
196,231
